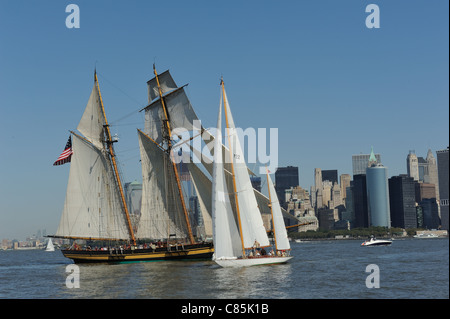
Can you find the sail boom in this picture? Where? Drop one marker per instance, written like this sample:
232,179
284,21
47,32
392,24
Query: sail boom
86,238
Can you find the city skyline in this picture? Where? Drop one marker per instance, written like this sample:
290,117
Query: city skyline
312,69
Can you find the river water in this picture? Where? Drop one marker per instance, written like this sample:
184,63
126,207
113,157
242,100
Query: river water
338,269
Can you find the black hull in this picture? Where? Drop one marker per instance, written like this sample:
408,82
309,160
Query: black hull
186,252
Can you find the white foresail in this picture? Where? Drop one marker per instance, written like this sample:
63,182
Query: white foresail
251,221
279,228
161,209
204,193
226,234
93,119
92,208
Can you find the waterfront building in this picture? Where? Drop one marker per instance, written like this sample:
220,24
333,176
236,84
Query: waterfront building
326,218
349,213
359,190
285,178
402,201
412,165
360,163
424,191
430,213
442,170
377,193
297,199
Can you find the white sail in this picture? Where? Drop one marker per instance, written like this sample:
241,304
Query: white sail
93,120
279,228
181,115
166,83
251,221
161,208
226,235
203,190
92,208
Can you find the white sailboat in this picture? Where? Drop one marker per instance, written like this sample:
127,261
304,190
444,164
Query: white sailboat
50,246
239,241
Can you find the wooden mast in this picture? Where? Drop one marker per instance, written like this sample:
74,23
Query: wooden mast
232,169
271,211
113,159
169,142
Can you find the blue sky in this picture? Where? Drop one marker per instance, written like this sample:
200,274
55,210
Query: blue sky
312,69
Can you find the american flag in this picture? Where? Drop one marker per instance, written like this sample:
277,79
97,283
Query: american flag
66,155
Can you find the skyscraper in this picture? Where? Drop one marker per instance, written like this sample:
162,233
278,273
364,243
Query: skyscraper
431,173
412,165
285,178
360,201
361,161
345,182
330,175
430,213
402,201
442,164
318,188
377,193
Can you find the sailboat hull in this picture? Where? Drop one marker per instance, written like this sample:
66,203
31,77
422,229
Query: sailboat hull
195,251
247,262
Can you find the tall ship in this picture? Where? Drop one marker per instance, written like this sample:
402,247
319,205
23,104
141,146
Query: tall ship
95,214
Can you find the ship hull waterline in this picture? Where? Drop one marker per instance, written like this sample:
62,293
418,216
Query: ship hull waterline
255,261
200,251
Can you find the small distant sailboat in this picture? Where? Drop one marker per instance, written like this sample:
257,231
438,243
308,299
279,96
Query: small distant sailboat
50,246
240,239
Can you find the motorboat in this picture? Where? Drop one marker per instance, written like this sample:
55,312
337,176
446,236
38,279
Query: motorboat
376,242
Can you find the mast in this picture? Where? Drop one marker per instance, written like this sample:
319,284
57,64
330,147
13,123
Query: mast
169,143
109,142
232,169
271,210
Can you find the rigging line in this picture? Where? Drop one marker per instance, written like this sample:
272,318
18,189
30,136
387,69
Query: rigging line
126,94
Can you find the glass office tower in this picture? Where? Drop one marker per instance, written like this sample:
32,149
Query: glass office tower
378,195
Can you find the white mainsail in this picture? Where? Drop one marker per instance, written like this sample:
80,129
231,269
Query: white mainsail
161,210
226,235
279,228
93,207
251,221
169,113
